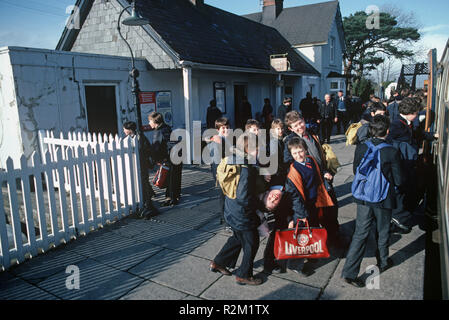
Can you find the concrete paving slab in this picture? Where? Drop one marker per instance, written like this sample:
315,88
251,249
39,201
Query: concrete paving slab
183,216
96,282
404,281
17,289
47,264
173,236
209,249
149,290
129,227
128,257
273,288
323,269
215,227
179,271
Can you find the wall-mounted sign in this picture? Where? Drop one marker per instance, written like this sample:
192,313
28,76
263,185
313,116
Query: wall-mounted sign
279,62
147,105
159,101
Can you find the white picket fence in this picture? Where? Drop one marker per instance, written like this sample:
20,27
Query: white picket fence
83,182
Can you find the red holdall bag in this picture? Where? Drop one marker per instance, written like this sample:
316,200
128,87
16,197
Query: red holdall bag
300,243
160,180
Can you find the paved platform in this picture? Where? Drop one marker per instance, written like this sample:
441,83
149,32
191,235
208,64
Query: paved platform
167,258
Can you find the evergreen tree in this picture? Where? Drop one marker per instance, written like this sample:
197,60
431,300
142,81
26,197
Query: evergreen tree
365,42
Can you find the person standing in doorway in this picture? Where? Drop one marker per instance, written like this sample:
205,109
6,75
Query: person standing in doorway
213,113
245,112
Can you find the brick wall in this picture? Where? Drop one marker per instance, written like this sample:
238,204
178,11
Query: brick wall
99,35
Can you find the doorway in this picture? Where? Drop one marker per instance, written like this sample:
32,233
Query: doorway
101,109
240,91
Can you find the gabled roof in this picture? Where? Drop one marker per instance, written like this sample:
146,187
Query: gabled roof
308,24
208,35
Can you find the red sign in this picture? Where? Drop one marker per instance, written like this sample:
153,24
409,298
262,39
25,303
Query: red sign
147,105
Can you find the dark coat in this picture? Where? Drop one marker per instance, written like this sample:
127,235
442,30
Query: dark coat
303,208
393,111
240,213
160,143
327,111
213,113
391,168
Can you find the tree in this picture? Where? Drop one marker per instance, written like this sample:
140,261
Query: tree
367,47
363,87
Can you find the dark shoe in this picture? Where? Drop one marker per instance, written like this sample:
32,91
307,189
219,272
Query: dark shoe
400,226
249,281
275,270
216,268
166,203
307,270
355,282
390,264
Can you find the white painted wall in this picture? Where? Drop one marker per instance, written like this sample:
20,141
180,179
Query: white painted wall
49,93
319,57
10,136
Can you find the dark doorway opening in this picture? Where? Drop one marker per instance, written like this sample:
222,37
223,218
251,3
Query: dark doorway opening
240,91
101,109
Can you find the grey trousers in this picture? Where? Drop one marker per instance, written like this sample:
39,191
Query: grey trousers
365,218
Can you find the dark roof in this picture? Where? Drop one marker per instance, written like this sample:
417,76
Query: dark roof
304,24
212,36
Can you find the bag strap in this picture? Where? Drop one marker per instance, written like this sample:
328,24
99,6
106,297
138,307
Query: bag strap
295,235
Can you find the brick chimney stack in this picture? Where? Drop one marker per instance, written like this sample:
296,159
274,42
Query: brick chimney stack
271,10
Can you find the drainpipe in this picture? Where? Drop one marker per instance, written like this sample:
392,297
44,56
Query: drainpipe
278,92
187,85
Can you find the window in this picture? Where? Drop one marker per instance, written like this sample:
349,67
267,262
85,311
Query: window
334,85
332,50
220,95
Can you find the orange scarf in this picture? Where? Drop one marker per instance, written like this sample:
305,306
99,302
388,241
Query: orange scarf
323,199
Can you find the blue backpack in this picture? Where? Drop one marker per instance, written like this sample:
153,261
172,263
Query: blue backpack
369,182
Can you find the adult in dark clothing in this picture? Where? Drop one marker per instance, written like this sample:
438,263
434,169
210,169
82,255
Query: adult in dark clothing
267,114
148,210
160,151
284,108
343,112
328,116
306,107
240,214
379,212
245,112
213,113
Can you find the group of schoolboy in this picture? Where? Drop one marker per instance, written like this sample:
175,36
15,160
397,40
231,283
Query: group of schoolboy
300,189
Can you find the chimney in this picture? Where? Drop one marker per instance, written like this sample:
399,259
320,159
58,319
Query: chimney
271,10
197,2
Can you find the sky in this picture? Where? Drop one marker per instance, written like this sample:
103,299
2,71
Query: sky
39,23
